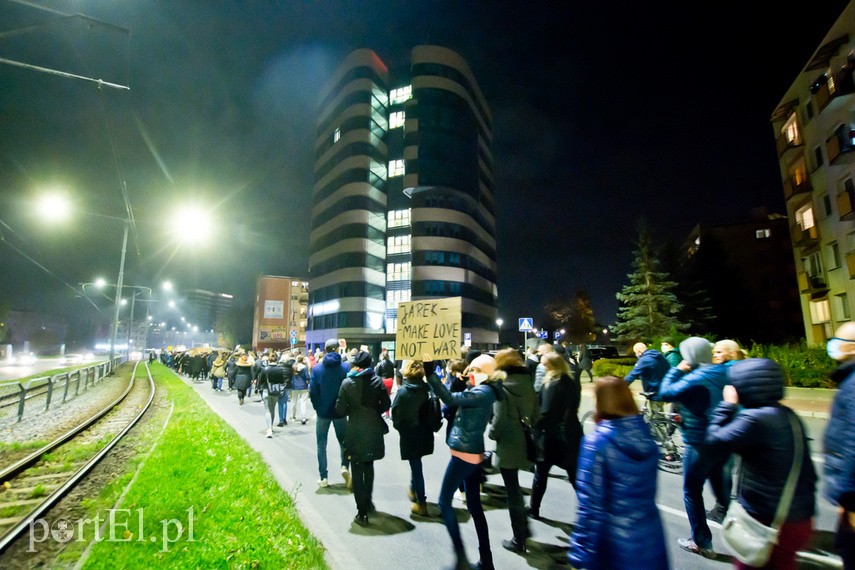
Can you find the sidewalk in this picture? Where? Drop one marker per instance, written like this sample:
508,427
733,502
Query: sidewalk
806,402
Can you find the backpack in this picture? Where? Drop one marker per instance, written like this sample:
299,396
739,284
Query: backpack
430,412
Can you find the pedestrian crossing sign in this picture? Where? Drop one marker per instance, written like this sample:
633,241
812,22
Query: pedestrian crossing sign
526,324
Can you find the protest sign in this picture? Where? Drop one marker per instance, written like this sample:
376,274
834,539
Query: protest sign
429,329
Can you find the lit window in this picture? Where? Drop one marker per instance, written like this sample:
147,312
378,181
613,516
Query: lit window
819,312
398,218
336,135
398,244
396,119
398,272
400,95
396,168
762,234
395,297
804,217
791,130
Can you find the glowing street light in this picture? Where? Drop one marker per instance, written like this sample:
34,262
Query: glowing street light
166,285
54,207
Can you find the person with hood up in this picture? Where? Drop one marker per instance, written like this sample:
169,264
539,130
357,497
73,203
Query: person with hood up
466,442
243,376
324,386
697,385
839,451
411,417
752,423
519,405
363,399
299,389
618,525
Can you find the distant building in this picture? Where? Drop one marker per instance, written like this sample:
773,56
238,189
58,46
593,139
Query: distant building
281,304
403,198
748,273
205,308
30,330
814,128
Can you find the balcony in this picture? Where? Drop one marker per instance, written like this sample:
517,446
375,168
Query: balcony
850,264
804,237
814,285
843,85
846,205
787,142
795,185
841,146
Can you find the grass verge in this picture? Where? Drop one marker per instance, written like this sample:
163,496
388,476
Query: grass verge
202,478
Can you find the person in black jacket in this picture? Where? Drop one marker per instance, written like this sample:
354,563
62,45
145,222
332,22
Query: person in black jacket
411,417
762,434
271,384
559,426
363,398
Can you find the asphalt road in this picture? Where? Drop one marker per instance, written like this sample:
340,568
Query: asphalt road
396,538
15,371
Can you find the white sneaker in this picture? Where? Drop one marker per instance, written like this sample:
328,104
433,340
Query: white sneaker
460,496
345,474
269,432
323,483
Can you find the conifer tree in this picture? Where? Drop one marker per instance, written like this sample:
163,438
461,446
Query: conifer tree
649,308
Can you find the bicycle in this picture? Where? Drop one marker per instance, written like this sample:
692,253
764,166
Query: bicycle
663,429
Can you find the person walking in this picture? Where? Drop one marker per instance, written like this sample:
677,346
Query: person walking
561,432
363,399
271,384
839,451
299,389
511,414
231,371
324,386
618,525
697,385
585,363
287,362
411,416
243,376
752,423
385,370
671,354
466,442
218,372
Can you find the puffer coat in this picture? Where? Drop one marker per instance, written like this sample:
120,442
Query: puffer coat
839,451
416,433
520,402
698,393
363,399
762,435
243,378
618,525
474,408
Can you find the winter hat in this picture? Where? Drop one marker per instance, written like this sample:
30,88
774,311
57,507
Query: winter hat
472,354
485,363
362,360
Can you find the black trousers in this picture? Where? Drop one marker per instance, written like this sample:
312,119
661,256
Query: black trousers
363,484
516,504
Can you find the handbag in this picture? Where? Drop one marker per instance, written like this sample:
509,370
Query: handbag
750,540
532,448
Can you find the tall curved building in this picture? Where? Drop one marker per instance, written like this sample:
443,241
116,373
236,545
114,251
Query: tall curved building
403,198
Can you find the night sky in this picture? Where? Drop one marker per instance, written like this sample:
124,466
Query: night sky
603,112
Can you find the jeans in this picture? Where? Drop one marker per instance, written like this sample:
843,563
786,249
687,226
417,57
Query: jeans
699,464
363,485
516,504
298,407
284,396
457,472
322,428
417,479
218,383
270,399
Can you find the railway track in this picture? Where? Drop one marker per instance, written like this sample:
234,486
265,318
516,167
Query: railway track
34,484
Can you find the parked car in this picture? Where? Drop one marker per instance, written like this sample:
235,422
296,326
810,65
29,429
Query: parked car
73,358
598,352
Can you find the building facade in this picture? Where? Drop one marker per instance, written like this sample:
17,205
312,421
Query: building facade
814,127
403,203
279,318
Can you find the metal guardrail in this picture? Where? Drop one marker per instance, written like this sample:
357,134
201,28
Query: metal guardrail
46,391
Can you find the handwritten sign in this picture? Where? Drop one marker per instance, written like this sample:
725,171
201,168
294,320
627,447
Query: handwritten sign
429,330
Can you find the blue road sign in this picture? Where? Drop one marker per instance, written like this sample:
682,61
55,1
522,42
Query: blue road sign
556,335
293,333
526,324
542,334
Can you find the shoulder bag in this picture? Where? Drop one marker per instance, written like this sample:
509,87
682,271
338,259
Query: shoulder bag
750,540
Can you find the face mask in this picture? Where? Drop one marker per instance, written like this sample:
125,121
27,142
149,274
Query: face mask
833,348
477,377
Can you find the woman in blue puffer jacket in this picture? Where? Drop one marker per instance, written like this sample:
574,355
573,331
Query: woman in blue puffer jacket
618,525
761,433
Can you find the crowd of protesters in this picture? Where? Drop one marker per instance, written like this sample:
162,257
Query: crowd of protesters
528,405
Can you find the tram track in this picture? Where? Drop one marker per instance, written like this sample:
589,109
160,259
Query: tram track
31,486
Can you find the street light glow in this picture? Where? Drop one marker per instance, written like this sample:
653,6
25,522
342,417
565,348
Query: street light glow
167,285
100,282
54,207
191,224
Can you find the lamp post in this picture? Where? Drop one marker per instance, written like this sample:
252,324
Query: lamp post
119,283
